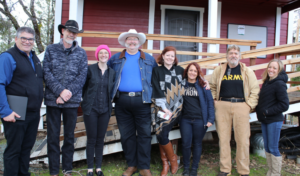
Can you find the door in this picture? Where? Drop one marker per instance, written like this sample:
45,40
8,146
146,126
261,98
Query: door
181,22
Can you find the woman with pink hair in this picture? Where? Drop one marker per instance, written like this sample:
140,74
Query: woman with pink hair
97,107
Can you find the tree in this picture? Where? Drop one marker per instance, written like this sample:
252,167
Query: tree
7,31
42,18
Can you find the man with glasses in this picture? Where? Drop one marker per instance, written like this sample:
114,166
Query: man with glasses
21,75
235,90
132,93
65,70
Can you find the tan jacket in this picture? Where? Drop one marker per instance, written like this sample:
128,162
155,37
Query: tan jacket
250,84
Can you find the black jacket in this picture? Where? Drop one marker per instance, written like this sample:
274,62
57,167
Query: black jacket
26,81
273,99
91,85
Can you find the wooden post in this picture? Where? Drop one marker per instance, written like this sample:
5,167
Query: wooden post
296,41
175,145
277,56
145,45
252,60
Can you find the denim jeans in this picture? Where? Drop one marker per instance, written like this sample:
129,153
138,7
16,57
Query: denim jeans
271,135
20,138
96,126
192,131
134,122
53,133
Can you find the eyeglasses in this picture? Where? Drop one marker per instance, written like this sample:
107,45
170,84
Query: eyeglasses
24,39
132,39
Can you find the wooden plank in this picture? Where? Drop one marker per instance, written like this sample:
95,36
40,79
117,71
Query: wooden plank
246,54
285,62
252,60
177,38
156,52
76,135
291,75
293,82
293,89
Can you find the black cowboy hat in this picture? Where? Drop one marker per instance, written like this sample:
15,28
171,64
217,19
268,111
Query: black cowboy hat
72,25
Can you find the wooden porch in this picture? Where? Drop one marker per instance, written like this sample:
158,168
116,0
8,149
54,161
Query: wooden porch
112,137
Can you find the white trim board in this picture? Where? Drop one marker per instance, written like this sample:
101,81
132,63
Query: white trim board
219,25
57,20
173,7
278,25
151,22
76,13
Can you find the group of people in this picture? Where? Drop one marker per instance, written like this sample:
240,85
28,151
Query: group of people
144,94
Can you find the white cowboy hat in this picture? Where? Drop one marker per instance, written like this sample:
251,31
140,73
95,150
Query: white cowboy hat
131,33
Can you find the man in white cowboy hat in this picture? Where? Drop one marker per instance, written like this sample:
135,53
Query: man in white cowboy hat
65,70
132,93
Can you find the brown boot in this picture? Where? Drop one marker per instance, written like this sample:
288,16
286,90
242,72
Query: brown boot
145,172
130,171
164,160
171,157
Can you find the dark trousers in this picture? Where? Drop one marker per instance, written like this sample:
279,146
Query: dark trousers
271,135
192,131
134,122
96,126
53,133
163,136
20,138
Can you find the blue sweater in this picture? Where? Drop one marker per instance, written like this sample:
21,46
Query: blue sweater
64,69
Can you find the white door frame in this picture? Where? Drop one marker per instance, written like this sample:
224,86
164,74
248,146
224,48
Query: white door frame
173,7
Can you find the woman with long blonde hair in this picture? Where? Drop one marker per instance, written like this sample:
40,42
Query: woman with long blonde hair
273,101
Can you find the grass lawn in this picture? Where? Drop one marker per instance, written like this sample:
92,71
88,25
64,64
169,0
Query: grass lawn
115,164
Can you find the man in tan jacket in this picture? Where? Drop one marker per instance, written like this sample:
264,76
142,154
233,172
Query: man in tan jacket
235,90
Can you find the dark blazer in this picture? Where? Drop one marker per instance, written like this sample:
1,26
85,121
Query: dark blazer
273,99
91,85
206,103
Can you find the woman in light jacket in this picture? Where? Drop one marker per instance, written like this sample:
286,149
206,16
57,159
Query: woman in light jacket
97,107
273,101
197,115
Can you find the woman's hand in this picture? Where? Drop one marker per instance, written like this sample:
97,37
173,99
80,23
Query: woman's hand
206,85
167,112
208,124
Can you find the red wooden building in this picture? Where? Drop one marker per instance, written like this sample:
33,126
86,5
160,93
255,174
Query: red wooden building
204,18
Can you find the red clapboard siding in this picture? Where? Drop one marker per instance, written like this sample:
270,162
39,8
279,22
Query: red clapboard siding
113,16
121,16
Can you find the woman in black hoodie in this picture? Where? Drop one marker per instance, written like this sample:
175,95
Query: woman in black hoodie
273,101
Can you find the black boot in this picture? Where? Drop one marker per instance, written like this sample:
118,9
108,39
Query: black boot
186,172
193,172
99,173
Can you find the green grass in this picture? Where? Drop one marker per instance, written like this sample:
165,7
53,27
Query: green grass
115,164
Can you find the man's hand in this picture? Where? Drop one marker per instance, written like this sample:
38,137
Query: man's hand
11,117
206,85
208,124
66,95
59,100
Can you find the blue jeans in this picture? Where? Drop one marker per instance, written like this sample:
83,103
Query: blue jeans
271,135
134,122
192,130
